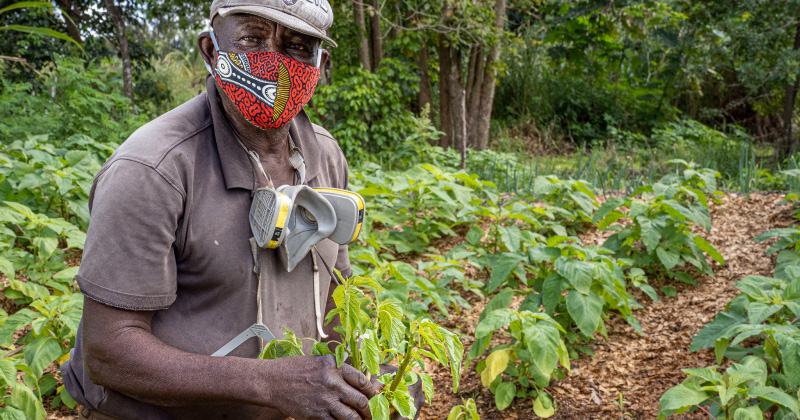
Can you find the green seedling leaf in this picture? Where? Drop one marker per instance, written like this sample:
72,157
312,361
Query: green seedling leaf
578,273
370,353
586,310
611,204
403,403
503,267
543,253
496,363
25,400
495,320
668,257
669,291
427,386
776,395
379,407
504,395
543,406
713,330
680,397
720,347
40,353
790,354
8,373
499,301
758,312
709,249
748,413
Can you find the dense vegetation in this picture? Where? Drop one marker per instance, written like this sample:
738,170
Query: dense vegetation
623,116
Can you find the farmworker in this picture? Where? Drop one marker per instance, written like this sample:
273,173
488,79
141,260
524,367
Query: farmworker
169,270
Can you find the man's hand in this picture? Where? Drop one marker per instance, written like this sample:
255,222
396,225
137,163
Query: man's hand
415,391
311,387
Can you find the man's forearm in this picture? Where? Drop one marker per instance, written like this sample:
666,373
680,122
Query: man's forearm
130,360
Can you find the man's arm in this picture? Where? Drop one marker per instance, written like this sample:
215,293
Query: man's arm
122,353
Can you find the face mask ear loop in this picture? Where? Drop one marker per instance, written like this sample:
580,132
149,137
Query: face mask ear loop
216,48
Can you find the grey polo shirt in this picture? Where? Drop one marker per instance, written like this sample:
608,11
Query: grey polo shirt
170,233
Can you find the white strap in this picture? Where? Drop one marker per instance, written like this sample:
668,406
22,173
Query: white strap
317,306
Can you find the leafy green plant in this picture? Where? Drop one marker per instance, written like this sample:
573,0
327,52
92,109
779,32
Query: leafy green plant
466,411
575,200
381,333
524,367
659,237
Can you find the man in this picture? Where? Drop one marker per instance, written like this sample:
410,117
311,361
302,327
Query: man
168,269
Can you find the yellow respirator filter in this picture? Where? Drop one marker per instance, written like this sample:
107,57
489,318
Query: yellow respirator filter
269,214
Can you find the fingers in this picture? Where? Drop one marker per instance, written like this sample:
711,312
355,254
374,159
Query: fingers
358,402
358,381
342,412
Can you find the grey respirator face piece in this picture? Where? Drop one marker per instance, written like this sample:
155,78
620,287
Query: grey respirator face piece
295,218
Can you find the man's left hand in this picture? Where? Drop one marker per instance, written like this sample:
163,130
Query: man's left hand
415,390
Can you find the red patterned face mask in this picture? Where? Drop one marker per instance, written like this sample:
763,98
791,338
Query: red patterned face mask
268,88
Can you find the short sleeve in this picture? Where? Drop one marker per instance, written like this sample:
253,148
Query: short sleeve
129,256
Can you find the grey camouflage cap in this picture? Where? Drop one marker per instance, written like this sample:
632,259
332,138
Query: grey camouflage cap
311,17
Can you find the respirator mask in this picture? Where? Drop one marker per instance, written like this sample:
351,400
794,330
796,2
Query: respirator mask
295,218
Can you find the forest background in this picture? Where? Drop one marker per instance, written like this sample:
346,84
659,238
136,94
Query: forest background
701,80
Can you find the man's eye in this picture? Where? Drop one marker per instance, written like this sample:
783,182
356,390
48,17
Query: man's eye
248,39
298,47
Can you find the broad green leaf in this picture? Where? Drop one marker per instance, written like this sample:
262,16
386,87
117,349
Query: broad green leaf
13,323
502,268
496,363
543,406
320,349
67,274
748,413
495,320
40,353
24,399
11,413
709,249
403,402
46,245
610,219
499,301
543,340
720,347
427,386
24,5
370,353
713,330
668,257
41,31
680,396
379,407
776,395
543,253
578,273
504,395
611,204
707,373
650,233
551,292
758,312
585,310
7,268
8,373
790,354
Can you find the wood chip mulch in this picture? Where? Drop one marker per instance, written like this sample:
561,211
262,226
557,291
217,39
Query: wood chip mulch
642,367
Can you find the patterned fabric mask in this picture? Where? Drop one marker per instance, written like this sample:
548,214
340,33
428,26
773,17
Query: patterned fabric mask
268,88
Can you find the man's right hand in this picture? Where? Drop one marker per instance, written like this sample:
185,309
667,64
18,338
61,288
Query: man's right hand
313,388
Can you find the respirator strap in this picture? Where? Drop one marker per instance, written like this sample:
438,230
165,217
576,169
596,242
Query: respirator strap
297,160
317,305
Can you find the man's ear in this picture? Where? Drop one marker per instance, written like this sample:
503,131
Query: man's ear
207,49
323,59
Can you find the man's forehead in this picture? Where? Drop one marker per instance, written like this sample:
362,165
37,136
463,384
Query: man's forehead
243,21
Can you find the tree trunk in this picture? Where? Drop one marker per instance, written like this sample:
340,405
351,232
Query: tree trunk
458,119
789,99
424,81
122,38
73,18
487,88
445,101
361,26
474,98
375,34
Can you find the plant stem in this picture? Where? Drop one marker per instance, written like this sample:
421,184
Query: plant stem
401,371
704,410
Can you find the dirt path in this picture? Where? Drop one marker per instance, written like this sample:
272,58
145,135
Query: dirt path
642,367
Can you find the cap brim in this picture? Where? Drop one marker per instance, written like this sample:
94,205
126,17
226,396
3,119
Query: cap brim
281,17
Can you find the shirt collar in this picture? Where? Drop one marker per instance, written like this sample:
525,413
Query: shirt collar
237,169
